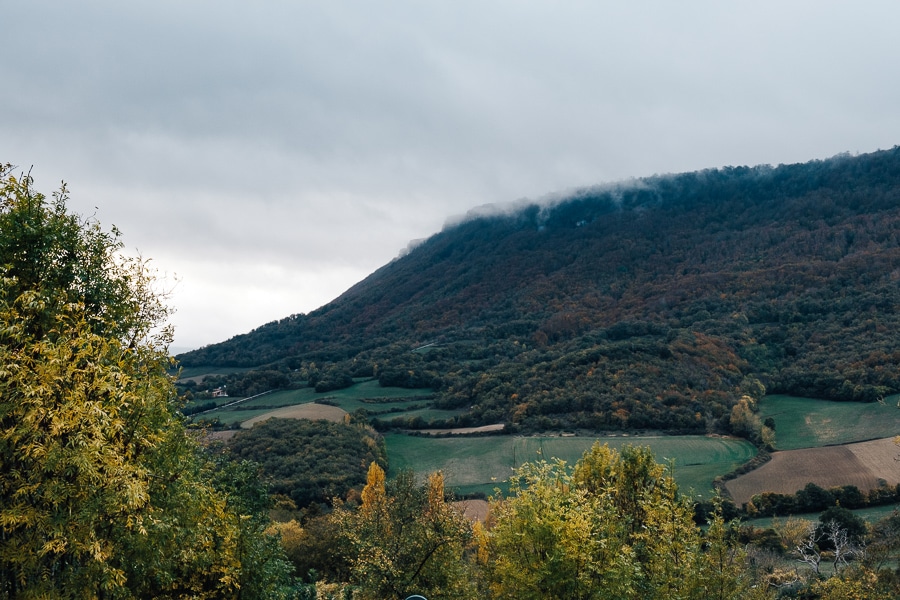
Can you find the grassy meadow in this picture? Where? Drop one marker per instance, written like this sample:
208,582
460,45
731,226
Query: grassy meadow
475,464
870,514
480,464
811,423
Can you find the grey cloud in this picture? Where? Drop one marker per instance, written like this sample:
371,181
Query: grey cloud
318,138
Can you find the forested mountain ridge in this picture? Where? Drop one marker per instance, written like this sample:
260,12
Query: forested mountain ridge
653,303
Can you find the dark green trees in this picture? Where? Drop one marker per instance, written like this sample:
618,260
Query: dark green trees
310,461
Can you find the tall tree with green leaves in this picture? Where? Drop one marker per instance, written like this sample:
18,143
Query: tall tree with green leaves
553,539
406,539
612,526
102,493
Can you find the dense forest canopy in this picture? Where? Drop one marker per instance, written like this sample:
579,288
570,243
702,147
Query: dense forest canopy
652,303
310,461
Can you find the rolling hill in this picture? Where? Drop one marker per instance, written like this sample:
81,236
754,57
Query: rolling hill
654,303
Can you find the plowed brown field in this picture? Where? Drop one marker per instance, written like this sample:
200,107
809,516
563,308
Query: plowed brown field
864,464
311,411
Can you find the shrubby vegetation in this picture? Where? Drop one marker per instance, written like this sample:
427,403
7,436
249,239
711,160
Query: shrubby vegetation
813,498
745,422
612,527
245,384
405,538
310,461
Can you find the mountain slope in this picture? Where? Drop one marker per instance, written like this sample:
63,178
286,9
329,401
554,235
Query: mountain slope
655,303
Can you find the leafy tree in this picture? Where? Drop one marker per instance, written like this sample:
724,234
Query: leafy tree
746,422
334,379
873,576
316,549
57,258
265,568
102,493
406,539
857,583
553,539
614,526
847,520
813,497
723,571
884,548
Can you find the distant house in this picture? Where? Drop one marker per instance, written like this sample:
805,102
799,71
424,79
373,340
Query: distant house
220,393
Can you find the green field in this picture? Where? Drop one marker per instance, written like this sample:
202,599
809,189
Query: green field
367,394
871,514
480,464
370,389
425,413
810,423
230,417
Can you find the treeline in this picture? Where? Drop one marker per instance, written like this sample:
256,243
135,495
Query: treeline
813,498
641,305
239,385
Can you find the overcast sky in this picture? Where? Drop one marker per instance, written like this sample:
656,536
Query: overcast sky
271,154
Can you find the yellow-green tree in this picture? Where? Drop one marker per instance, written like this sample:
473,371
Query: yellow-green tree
552,538
614,526
857,583
406,539
746,422
102,494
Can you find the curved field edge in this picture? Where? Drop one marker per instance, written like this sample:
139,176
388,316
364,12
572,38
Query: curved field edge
811,423
867,465
313,412
481,464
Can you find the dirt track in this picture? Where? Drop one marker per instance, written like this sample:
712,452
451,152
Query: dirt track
464,430
474,510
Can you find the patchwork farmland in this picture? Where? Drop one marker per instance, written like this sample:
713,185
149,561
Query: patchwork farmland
826,443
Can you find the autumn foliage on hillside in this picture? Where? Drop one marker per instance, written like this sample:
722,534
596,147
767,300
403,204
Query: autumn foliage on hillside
653,303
